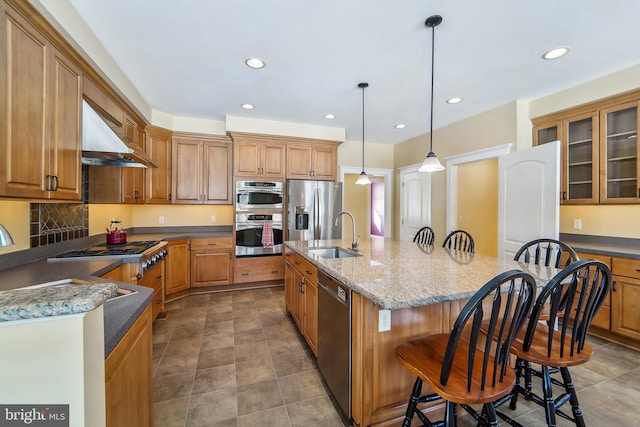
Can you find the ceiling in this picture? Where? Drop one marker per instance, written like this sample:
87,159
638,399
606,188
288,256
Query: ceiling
187,58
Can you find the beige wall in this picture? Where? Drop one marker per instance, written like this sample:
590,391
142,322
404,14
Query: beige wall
15,218
376,156
356,201
478,204
602,220
494,127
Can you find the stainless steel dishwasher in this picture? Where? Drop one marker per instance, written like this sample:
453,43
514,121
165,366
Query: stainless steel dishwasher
334,338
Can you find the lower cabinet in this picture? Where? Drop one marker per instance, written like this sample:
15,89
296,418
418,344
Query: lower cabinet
129,377
301,296
154,279
211,261
258,269
178,266
603,318
625,313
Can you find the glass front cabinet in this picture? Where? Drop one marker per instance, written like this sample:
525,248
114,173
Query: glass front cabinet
600,161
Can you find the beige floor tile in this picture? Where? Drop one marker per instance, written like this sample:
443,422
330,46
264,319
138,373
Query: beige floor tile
177,365
183,347
247,337
258,397
217,357
213,341
217,378
275,417
171,413
254,371
315,412
285,346
292,363
252,351
300,386
185,332
221,327
218,406
172,387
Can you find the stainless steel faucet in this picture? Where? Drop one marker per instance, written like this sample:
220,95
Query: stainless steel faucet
355,242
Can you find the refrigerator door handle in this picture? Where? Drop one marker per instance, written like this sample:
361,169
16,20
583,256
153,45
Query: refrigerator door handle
315,214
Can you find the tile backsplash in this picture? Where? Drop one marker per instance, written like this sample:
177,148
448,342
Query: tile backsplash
57,222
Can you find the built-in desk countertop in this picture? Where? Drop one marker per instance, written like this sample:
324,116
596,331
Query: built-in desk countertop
396,274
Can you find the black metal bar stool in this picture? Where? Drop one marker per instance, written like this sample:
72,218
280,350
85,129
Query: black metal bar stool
459,240
425,236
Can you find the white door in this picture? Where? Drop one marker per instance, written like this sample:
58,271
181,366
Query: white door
528,197
415,201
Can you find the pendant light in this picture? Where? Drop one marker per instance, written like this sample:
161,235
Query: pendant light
5,237
431,162
363,179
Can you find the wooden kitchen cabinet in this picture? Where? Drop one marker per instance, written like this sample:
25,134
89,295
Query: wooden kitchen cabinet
257,156
201,170
178,266
301,296
133,185
311,161
603,318
599,160
158,180
211,261
40,121
625,301
129,377
154,278
258,269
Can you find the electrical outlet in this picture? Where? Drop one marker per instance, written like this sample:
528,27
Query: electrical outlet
384,320
213,218
161,219
577,224
460,219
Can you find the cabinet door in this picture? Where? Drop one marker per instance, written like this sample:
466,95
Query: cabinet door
580,160
272,160
324,162
210,268
625,310
133,185
299,161
65,134
619,154
178,266
546,132
246,158
129,377
186,172
311,315
293,294
603,317
158,147
23,154
217,173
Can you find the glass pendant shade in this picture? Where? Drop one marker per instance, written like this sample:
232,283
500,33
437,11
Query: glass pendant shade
363,179
5,237
431,164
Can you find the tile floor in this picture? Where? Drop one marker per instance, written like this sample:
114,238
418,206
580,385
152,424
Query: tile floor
236,359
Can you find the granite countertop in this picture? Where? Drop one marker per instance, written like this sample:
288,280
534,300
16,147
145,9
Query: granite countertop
55,299
394,274
608,246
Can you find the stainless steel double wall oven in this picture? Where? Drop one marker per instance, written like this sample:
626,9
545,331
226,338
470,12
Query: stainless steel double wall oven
259,207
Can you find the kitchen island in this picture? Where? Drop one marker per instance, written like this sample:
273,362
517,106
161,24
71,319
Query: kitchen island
425,288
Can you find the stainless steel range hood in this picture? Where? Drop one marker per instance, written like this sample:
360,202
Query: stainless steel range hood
102,147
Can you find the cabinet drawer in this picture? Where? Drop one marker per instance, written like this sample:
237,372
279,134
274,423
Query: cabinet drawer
604,258
625,267
308,270
258,269
156,304
212,243
153,278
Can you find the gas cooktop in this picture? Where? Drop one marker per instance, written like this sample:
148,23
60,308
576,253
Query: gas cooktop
131,248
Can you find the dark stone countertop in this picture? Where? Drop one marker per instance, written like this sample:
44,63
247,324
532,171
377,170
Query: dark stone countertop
600,245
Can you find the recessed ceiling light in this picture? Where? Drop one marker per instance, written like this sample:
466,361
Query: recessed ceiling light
454,100
255,63
400,126
247,106
556,53
329,116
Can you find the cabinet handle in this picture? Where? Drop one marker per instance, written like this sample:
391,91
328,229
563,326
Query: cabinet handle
55,180
308,272
158,277
296,262
212,244
564,195
274,271
302,287
613,286
245,274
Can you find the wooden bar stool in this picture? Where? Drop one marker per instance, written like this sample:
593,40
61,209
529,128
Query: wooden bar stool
459,367
459,240
578,291
425,236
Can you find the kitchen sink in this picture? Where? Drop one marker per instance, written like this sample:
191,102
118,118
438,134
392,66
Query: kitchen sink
333,252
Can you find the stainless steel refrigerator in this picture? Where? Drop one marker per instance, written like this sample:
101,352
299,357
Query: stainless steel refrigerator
312,207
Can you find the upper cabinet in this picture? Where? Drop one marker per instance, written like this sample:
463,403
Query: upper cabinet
40,121
274,156
258,158
599,150
158,180
311,161
201,169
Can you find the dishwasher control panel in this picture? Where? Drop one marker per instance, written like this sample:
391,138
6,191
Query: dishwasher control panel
342,294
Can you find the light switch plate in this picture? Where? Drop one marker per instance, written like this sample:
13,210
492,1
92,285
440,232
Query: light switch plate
577,224
384,320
